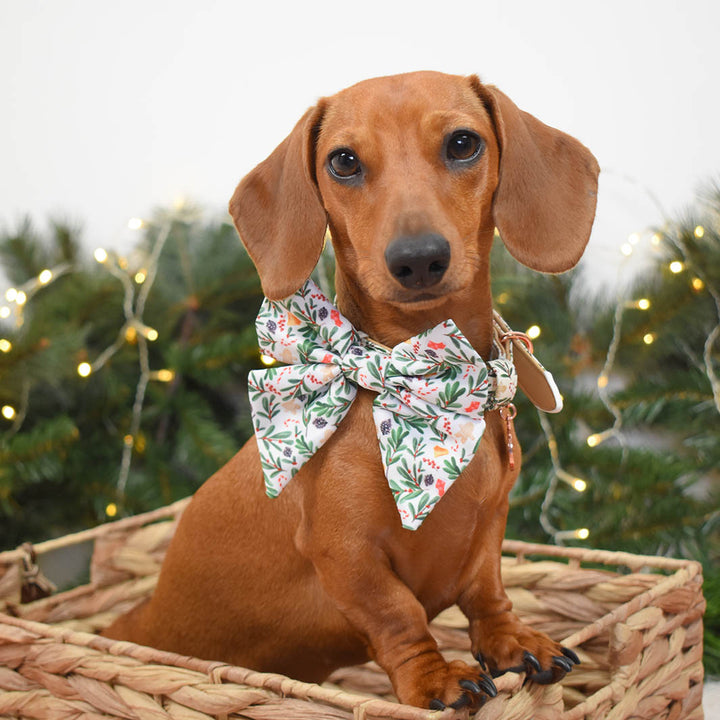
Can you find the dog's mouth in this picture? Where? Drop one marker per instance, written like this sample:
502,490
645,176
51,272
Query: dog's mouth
420,299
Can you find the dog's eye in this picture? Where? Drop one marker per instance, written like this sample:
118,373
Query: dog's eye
464,146
344,163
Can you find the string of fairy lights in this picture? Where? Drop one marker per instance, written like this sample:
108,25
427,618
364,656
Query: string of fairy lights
136,291
137,283
698,282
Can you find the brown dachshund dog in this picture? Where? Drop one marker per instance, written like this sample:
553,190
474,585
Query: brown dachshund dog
305,583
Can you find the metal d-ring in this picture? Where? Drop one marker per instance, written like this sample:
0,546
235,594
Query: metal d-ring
522,337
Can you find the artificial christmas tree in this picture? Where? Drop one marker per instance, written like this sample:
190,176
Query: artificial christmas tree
122,380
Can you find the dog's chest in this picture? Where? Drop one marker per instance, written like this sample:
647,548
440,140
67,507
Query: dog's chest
437,560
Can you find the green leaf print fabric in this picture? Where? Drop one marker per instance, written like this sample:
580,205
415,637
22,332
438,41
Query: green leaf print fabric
432,393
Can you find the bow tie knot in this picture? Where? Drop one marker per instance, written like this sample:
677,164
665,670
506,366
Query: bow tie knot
432,393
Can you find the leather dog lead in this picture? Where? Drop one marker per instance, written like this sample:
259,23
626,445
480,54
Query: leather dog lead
534,380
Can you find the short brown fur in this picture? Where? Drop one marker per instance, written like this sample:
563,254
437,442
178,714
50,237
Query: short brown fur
316,578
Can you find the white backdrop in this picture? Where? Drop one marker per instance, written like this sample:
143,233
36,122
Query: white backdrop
109,109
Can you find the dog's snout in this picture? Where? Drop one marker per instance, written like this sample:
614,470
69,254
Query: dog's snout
418,261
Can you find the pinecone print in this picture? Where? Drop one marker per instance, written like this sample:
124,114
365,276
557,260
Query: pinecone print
385,427
323,313
428,480
271,325
320,423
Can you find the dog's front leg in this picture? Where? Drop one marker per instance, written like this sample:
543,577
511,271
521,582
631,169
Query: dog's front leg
501,642
360,580
349,529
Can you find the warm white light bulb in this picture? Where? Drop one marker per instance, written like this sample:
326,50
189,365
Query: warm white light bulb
100,255
45,277
580,485
533,332
84,369
594,440
676,267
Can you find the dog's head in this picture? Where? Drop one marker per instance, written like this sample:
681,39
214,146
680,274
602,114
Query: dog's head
412,173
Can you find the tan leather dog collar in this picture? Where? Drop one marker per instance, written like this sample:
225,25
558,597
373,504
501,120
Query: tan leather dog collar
534,380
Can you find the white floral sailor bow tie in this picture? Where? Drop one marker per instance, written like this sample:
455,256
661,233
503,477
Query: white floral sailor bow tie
432,392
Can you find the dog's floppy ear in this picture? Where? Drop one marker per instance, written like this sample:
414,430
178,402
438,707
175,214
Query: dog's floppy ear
545,200
278,213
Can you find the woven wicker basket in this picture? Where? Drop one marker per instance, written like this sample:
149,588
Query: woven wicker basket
635,622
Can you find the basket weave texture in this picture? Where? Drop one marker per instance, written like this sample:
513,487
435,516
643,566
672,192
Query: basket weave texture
635,622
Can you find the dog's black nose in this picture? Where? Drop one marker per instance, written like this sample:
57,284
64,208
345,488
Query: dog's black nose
418,261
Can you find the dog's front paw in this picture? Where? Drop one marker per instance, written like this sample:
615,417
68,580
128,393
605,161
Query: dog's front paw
504,644
455,684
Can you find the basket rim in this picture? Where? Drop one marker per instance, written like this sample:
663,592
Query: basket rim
220,672
603,557
47,546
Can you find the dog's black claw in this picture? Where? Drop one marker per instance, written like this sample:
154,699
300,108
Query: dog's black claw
470,686
570,655
530,665
488,686
437,704
563,663
481,659
545,677
461,702
497,672
531,662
